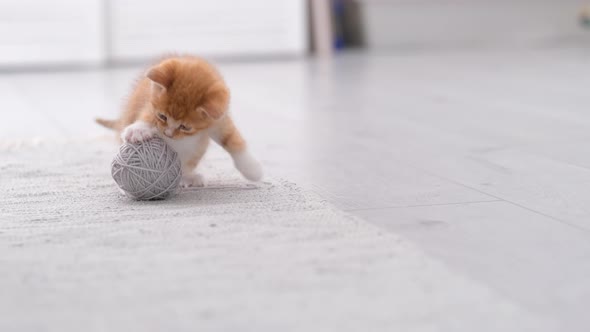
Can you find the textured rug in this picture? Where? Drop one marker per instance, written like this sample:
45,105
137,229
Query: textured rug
77,256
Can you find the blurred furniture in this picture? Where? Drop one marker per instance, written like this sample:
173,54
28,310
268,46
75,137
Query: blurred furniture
322,29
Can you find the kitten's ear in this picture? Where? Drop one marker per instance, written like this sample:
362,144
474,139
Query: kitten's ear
215,100
162,75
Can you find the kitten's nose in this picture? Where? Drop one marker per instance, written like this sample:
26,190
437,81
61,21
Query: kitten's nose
168,133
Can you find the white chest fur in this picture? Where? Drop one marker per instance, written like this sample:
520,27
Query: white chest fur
188,147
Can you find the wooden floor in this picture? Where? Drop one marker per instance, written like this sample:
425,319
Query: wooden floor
480,158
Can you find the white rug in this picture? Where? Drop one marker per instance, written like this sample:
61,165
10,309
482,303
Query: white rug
76,256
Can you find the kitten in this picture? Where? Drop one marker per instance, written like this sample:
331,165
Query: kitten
184,100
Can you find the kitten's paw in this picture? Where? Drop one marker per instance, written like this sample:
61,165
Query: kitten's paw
192,180
250,168
138,132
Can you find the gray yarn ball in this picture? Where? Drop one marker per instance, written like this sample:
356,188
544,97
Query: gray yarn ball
147,170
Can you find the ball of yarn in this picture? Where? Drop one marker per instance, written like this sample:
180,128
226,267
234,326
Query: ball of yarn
147,170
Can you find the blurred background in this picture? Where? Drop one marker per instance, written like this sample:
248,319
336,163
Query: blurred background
461,125
90,33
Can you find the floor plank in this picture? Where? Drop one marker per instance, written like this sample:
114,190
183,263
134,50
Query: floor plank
526,257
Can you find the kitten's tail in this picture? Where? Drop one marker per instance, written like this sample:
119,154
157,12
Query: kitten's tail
111,124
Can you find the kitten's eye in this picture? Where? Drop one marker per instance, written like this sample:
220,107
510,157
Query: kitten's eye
162,117
184,128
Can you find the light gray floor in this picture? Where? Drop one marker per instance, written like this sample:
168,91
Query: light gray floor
479,158
77,256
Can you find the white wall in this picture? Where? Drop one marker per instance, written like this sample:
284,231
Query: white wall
143,28
450,23
51,32
93,32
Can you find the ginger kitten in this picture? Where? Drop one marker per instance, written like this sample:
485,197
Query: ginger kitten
184,100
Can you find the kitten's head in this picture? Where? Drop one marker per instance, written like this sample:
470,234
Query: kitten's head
188,95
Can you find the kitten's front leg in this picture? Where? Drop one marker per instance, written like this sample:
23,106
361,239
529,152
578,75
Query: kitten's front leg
227,135
192,179
247,164
138,131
